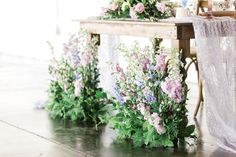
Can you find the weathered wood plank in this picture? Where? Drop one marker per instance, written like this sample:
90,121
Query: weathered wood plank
166,30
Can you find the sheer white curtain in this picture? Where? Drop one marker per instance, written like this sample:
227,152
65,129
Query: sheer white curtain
216,45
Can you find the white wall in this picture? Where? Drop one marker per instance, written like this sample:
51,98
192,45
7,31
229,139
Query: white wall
26,25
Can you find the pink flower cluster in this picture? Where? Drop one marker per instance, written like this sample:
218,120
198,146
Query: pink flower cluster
173,88
160,63
153,118
161,7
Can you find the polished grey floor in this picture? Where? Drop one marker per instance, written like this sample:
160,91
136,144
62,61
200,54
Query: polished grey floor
27,131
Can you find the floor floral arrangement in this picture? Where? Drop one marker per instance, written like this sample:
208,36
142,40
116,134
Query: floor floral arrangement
138,9
151,98
74,93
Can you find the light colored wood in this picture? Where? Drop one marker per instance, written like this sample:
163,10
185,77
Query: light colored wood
221,13
168,30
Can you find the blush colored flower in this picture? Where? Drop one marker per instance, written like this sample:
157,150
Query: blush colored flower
160,63
139,8
161,7
132,13
86,59
78,85
113,6
144,63
141,108
118,69
156,122
173,88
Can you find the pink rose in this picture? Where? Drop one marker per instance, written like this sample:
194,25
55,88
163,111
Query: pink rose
139,8
161,7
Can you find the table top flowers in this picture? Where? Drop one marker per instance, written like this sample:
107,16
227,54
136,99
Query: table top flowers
138,9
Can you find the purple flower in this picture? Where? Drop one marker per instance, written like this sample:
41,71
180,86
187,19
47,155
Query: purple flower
139,8
75,60
118,95
160,63
144,63
173,89
149,97
161,7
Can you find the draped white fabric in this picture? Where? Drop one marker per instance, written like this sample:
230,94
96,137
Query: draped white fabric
216,52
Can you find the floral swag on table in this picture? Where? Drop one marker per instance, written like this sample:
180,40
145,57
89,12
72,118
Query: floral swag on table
138,9
74,93
151,107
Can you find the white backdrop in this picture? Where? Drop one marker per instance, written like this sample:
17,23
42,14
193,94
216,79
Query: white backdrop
26,25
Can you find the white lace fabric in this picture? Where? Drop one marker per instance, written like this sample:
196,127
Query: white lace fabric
216,52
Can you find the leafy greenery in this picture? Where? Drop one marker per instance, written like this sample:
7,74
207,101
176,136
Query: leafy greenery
74,92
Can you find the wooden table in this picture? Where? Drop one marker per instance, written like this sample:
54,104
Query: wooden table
180,34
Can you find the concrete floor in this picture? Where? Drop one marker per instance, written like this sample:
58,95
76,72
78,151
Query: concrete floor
26,131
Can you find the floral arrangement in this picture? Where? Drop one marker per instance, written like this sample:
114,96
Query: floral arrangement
74,93
151,98
138,9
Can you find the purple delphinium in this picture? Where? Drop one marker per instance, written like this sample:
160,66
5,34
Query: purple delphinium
160,63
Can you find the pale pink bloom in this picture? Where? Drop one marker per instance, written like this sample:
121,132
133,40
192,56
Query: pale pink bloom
141,108
161,7
118,69
65,48
173,88
78,85
113,6
139,8
132,13
134,56
156,120
86,59
145,63
160,63
122,76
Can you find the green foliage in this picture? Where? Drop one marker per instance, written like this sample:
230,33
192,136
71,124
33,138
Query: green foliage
74,93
